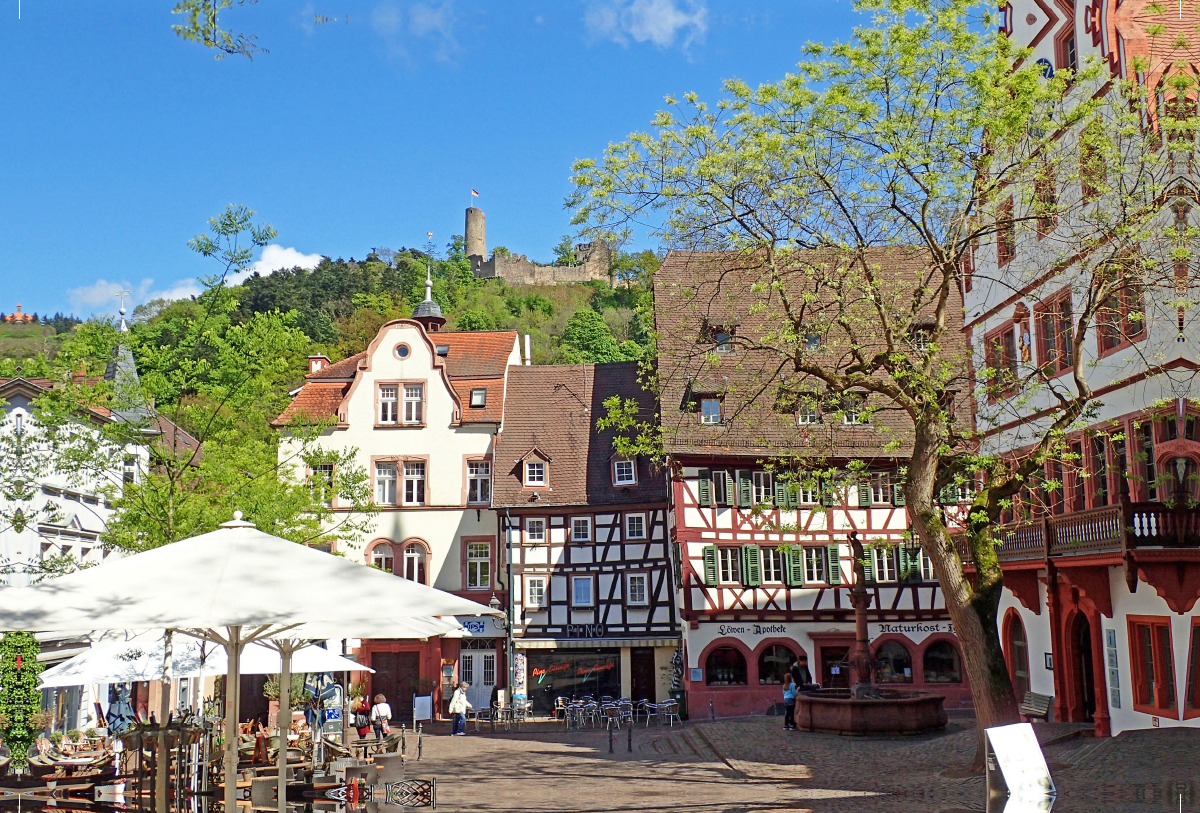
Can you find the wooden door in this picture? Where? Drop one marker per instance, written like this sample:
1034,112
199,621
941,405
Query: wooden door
641,667
834,658
396,676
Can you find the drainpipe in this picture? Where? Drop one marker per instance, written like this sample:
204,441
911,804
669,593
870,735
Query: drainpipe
508,626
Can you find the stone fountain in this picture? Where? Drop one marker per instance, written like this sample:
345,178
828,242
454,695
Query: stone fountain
865,708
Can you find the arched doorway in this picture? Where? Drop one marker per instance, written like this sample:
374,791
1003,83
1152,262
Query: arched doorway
1017,647
1084,707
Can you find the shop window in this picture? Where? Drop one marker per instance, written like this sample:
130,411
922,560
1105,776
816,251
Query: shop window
725,666
942,663
893,663
1018,655
774,663
1153,665
1192,695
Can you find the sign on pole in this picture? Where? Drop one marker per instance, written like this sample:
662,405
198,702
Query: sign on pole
422,709
1021,763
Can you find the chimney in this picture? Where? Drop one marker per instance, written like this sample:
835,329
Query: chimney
316,363
528,360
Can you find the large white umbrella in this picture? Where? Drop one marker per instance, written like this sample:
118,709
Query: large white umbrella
234,586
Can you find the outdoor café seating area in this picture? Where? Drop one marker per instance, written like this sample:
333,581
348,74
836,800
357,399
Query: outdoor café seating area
613,712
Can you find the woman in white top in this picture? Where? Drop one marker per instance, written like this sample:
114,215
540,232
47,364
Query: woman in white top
458,710
381,713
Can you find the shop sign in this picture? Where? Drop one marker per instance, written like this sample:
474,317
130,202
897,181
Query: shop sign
753,630
914,630
480,626
586,630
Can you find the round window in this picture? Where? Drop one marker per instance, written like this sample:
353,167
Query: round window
402,351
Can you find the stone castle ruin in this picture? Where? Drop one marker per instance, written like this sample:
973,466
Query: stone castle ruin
594,260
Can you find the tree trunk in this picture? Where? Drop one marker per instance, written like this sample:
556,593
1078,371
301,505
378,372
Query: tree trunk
973,609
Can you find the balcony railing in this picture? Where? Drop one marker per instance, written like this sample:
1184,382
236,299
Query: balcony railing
1099,531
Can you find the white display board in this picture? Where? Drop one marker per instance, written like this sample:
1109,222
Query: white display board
422,708
1020,760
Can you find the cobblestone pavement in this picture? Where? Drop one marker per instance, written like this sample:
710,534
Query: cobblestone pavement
751,764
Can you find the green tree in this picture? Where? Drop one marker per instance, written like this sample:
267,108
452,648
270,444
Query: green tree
589,339
918,133
564,251
20,695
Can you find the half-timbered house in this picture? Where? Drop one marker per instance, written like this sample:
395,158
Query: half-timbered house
593,600
765,556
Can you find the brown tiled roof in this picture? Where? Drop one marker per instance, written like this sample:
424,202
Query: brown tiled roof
476,354
493,409
346,368
554,409
696,292
316,401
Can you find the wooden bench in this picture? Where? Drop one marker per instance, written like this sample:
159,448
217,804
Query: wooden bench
1036,705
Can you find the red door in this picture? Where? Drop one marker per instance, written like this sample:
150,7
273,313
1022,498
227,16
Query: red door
396,676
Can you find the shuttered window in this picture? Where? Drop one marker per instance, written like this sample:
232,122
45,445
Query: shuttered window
710,565
815,560
835,565
704,488
745,489
793,566
751,566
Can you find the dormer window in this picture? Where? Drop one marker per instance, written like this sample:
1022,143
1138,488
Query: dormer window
723,339
710,410
478,398
624,473
854,411
807,415
535,473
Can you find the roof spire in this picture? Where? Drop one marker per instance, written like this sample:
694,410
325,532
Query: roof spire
428,283
429,313
121,296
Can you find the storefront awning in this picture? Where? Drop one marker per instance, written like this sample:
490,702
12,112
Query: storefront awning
590,643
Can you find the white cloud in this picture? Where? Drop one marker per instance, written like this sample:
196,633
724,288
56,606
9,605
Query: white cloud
657,21
433,23
275,258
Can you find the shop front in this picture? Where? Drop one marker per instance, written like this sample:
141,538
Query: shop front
639,669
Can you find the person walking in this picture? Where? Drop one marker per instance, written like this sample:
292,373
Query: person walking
458,710
789,703
381,715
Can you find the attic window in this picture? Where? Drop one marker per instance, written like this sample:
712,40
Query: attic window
478,398
443,349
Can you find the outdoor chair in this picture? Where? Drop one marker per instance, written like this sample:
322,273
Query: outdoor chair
606,698
560,708
670,710
651,710
612,717
626,709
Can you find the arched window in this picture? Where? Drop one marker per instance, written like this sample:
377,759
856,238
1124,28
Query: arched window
942,663
725,667
1018,655
893,663
383,557
774,662
414,563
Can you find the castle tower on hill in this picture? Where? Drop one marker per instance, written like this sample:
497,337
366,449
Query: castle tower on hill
594,260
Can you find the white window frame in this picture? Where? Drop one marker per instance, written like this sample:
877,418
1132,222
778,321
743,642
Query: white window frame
881,488
723,340
377,558
772,565
763,487
720,487
808,415
591,596
381,482
479,577
535,597
478,397
644,579
415,486
883,561
624,472
707,416
575,537
641,520
816,565
389,395
415,555
854,410
322,480
479,478
414,404
807,494
927,573
530,539
532,468
729,565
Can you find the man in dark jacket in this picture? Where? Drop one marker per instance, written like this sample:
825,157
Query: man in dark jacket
802,676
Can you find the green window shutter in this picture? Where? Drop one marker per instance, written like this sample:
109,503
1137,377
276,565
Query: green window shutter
793,566
793,495
730,490
828,498
864,495
751,566
898,493
906,563
834,565
745,489
710,565
704,488
781,494
868,564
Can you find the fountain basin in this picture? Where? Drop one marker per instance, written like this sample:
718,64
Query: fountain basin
834,711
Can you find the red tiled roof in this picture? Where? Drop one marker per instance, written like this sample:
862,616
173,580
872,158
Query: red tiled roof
316,401
346,368
476,354
493,409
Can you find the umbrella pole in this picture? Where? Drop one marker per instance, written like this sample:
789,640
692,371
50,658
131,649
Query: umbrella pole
162,780
284,717
232,680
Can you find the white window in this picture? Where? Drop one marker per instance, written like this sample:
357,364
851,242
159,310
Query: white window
720,488
710,410
881,488
322,482
129,474
638,594
927,573
807,494
814,564
414,483
581,591
581,529
730,564
535,531
535,473
535,591
382,557
764,487
885,564
808,414
385,483
635,526
723,339
854,413
478,398
479,481
414,398
772,565
624,473
414,563
387,403
479,565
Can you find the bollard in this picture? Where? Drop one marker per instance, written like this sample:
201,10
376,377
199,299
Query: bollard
420,730
631,736
711,712
610,740
403,741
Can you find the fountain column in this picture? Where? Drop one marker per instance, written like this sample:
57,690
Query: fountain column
860,600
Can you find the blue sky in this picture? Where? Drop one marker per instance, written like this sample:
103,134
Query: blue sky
119,140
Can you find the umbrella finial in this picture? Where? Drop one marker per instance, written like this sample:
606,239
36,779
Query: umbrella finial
237,522
237,516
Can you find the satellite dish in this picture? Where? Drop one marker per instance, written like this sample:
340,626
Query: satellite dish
1047,68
